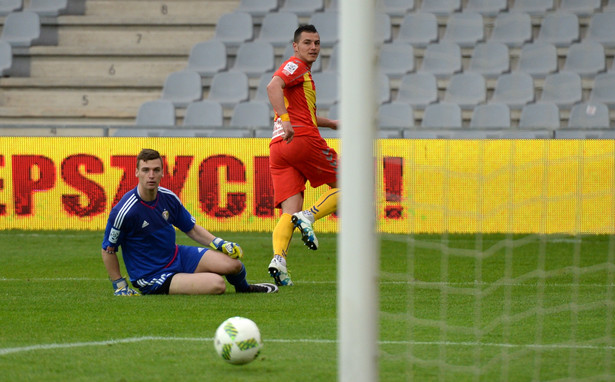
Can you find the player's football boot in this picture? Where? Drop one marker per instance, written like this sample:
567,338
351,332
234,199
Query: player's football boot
307,233
263,288
279,272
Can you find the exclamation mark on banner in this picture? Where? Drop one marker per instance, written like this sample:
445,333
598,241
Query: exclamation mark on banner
393,186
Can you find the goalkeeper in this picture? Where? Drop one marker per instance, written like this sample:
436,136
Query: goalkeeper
143,222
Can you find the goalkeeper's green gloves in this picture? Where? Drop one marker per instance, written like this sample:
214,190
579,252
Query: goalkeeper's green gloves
121,288
233,250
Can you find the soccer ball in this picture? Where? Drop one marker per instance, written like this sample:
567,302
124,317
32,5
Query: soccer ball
238,340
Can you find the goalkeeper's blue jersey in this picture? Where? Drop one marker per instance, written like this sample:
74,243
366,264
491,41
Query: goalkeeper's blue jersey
145,231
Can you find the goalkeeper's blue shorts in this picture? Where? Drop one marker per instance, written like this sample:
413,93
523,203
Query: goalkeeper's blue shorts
186,261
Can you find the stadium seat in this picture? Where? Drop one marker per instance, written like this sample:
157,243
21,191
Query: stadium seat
48,8
383,29
303,8
207,58
396,59
465,29
327,24
486,7
540,115
418,29
604,89
562,88
251,114
560,29
261,89
493,115
441,7
395,115
234,28
229,88
514,89
258,8
182,87
384,88
589,114
21,29
533,7
334,111
512,28
586,58
326,88
418,89
6,58
538,59
490,59
442,115
8,6
254,58
277,28
602,28
442,59
398,8
334,57
156,113
580,7
205,113
466,89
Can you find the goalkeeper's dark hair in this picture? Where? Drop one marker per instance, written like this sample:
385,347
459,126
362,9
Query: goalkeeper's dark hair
147,155
304,28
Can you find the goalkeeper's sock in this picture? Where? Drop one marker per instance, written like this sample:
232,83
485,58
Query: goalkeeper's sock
282,234
325,205
238,280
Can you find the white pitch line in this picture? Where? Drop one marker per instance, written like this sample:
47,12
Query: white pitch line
53,346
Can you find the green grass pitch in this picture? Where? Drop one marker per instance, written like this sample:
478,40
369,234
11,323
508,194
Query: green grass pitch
458,308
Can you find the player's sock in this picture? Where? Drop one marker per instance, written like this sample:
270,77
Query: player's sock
325,205
239,281
282,233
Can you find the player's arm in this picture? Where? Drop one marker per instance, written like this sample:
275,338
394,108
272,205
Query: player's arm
206,238
326,122
112,264
275,91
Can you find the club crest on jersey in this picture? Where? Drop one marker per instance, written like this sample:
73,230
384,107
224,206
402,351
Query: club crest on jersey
289,68
165,214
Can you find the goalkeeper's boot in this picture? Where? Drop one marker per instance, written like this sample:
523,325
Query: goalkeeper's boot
262,288
307,232
279,272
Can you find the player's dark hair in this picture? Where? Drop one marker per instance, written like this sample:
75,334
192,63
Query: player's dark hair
147,155
304,28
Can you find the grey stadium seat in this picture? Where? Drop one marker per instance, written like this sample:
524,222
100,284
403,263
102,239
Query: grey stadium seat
602,28
514,89
562,88
259,8
21,29
182,87
486,7
207,58
229,88
589,114
441,7
398,8
540,115
490,59
512,28
327,24
604,89
418,89
156,113
442,59
326,88
261,88
383,28
205,113
442,115
538,59
493,115
580,7
384,88
533,7
6,58
234,28
418,29
277,28
395,114
48,8
466,89
396,59
334,58
464,29
8,6
251,114
586,58
559,28
302,7
254,58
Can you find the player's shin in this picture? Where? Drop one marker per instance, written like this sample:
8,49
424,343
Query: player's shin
238,280
282,234
326,204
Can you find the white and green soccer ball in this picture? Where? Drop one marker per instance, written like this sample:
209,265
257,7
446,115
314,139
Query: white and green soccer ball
238,340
